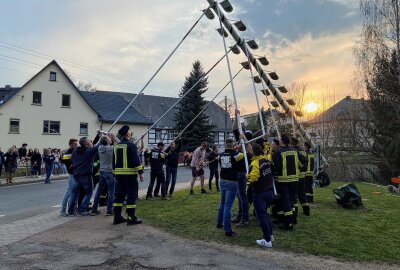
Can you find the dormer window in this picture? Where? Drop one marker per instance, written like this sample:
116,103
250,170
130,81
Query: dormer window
53,76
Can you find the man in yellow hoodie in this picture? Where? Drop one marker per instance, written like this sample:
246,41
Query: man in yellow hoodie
261,180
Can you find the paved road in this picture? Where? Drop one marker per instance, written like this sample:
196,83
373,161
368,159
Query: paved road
28,200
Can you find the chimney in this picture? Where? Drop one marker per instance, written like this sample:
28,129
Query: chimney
7,87
348,97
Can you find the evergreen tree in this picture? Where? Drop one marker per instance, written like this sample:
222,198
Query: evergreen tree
200,130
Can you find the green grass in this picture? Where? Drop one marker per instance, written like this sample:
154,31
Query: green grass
19,172
368,234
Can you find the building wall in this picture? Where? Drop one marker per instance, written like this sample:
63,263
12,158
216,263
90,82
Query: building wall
138,130
32,116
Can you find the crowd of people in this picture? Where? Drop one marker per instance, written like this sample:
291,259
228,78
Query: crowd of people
31,160
272,176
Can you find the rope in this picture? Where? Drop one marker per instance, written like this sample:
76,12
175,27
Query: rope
158,70
187,92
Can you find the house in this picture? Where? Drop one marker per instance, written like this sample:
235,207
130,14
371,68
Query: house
338,124
49,109
153,107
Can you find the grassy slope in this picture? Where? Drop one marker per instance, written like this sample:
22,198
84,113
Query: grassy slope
369,234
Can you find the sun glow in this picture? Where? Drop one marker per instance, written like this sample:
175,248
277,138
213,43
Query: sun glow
311,107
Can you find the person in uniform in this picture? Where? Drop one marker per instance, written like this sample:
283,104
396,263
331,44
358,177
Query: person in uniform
126,167
301,193
261,183
157,161
309,172
286,171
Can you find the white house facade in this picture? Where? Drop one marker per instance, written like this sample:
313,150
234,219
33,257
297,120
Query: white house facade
47,111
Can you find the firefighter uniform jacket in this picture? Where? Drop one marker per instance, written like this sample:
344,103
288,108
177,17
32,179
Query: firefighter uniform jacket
260,176
228,162
157,159
125,159
303,161
286,164
310,164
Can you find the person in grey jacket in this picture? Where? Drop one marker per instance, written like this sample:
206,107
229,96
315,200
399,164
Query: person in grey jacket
106,150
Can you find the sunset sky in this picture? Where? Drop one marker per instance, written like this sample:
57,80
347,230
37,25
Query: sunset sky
117,45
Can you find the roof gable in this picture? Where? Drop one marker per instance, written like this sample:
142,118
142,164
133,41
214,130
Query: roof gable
16,90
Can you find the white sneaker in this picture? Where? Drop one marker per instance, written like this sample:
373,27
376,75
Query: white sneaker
264,243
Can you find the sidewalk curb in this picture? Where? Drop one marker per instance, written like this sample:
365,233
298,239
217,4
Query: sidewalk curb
34,180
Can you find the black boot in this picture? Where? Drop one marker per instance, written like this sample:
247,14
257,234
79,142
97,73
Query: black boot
132,219
306,210
287,223
118,219
295,213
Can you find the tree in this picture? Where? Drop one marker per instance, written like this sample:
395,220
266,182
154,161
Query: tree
378,64
191,105
86,86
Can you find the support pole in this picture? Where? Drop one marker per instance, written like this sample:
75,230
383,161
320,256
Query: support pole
272,114
187,92
234,94
255,91
263,75
155,74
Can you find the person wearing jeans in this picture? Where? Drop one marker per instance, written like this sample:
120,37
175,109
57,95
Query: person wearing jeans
82,160
228,187
261,183
106,151
228,191
172,166
243,213
66,160
49,163
106,178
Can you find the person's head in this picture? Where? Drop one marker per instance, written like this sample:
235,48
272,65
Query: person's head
73,143
229,144
105,140
125,133
307,146
203,145
30,150
36,151
47,151
160,145
257,149
85,142
285,140
248,134
173,145
215,148
294,141
24,145
275,144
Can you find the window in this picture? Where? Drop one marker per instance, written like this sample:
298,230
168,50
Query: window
83,129
51,127
66,101
37,98
53,76
14,125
